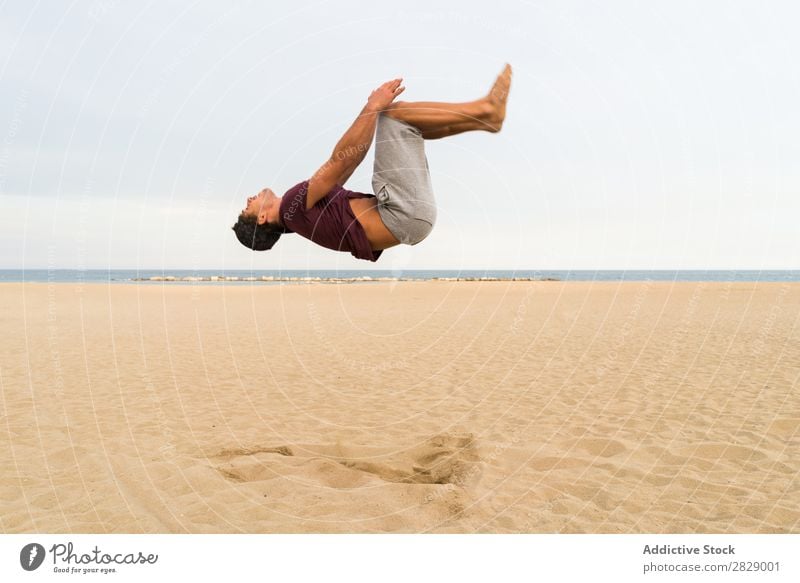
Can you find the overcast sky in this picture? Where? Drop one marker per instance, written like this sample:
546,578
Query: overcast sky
639,135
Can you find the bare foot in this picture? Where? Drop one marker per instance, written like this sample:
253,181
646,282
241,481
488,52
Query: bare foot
498,96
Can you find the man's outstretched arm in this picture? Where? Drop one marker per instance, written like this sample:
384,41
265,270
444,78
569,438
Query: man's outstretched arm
354,144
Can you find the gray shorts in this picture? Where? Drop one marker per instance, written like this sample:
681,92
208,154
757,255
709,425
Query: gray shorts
401,181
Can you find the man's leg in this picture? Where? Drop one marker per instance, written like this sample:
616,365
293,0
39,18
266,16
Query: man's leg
401,180
439,120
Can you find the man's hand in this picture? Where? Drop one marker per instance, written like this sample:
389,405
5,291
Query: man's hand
353,145
383,96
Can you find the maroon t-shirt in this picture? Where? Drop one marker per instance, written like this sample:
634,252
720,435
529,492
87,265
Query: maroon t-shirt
330,223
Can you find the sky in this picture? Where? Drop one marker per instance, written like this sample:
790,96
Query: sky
639,135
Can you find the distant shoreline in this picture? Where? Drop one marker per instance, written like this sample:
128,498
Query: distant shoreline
214,276
177,280
365,278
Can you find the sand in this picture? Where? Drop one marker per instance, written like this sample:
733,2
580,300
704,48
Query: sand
544,407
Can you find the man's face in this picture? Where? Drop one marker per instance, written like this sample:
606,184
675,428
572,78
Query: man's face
261,205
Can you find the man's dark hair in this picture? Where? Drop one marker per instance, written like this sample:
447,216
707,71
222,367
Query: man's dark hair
254,236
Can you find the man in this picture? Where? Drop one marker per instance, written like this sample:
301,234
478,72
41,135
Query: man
402,208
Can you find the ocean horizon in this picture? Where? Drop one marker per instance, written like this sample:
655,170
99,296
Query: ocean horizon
267,276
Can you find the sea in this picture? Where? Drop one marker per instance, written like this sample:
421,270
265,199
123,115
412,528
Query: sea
277,277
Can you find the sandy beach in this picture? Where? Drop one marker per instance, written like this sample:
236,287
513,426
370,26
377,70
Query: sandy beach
505,407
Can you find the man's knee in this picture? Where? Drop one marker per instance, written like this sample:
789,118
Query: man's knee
391,111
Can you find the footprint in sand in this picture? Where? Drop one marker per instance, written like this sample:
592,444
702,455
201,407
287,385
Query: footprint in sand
244,465
442,459
599,447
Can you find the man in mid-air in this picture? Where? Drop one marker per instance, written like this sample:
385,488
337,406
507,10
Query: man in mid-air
402,208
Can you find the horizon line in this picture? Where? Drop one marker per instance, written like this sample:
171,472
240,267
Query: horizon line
390,269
